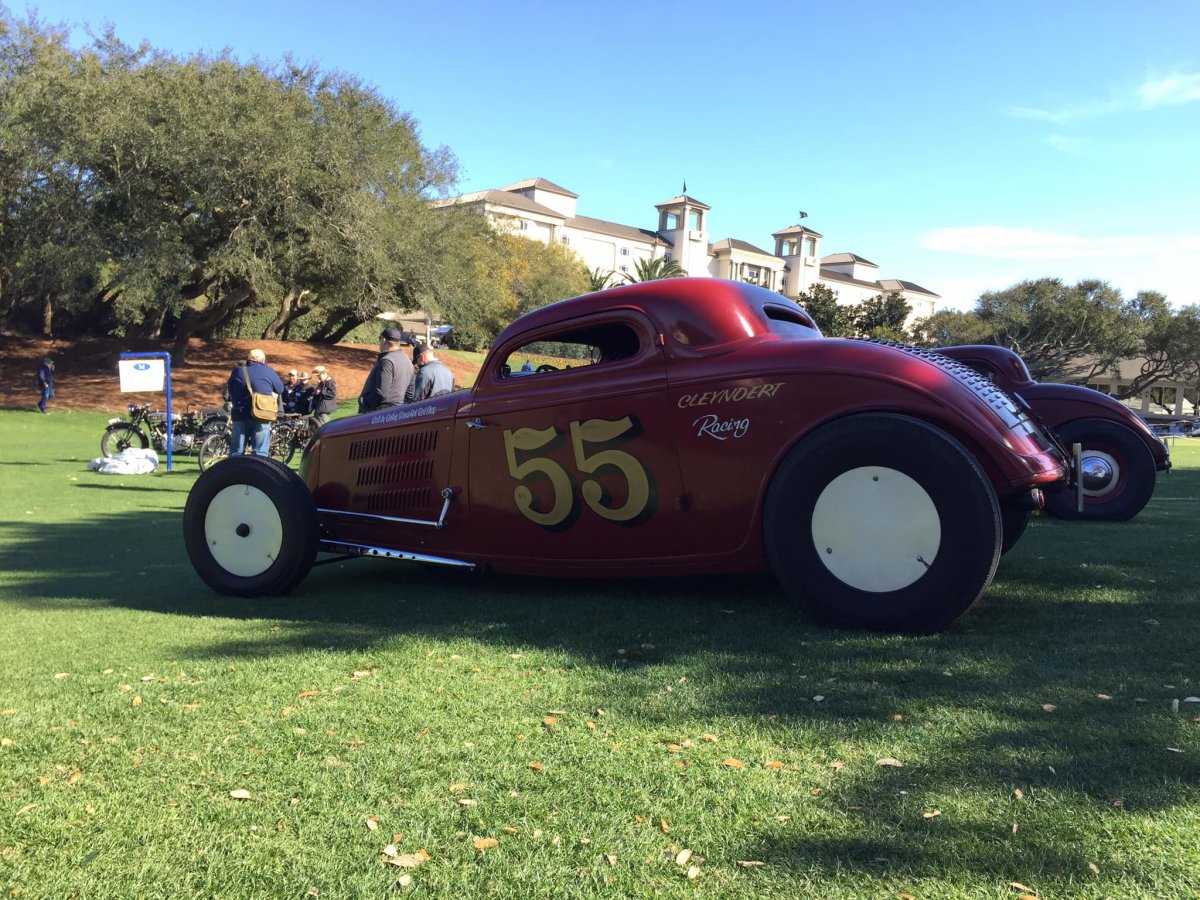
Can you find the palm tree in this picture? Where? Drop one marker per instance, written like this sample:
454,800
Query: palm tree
598,279
655,269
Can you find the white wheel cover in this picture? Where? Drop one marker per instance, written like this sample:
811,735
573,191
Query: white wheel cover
253,554
1113,465
876,529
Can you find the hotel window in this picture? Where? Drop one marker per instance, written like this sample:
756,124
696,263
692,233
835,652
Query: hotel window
694,220
667,257
670,221
565,239
623,268
524,225
624,251
812,246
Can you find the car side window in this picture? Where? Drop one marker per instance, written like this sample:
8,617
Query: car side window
573,348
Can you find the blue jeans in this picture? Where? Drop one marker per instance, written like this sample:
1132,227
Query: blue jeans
47,393
257,433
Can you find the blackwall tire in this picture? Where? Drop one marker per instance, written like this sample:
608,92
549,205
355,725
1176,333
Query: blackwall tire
1127,466
1013,523
121,436
250,527
882,522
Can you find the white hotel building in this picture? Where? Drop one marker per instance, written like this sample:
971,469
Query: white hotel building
544,211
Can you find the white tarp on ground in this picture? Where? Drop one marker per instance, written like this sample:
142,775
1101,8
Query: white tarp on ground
130,461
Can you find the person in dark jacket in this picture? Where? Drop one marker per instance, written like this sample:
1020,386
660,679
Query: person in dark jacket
325,398
291,384
433,377
391,376
246,428
306,395
45,379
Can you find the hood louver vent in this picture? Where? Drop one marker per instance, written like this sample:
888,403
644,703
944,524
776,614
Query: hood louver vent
394,445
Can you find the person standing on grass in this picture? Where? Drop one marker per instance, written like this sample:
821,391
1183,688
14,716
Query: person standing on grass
325,397
392,375
433,377
291,385
45,379
247,429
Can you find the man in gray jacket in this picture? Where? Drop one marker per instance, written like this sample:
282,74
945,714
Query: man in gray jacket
433,377
391,377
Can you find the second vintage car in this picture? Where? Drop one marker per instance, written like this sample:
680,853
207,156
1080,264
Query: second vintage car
684,426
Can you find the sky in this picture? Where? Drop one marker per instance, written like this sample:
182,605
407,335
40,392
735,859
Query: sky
964,147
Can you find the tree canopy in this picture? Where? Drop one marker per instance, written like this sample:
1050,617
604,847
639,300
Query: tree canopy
147,194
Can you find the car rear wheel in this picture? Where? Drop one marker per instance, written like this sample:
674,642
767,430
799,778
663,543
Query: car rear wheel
882,522
250,527
1013,524
1117,472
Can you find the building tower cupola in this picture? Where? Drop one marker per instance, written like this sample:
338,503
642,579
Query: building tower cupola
683,222
799,246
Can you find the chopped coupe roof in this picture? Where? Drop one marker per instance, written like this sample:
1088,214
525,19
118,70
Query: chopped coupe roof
719,310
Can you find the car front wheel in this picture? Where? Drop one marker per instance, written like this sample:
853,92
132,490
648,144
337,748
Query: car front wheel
1117,471
882,522
250,527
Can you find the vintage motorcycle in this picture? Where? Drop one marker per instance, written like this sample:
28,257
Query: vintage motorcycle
146,427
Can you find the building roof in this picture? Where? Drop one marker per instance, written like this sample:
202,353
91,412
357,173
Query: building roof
895,284
843,258
682,198
614,229
540,184
503,198
730,244
797,229
831,275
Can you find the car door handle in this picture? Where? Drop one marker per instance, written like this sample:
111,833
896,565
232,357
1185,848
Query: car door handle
476,423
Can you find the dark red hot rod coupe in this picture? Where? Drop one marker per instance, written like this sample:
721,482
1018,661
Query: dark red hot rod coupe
693,426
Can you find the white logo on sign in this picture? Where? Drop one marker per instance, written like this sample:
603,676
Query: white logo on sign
716,427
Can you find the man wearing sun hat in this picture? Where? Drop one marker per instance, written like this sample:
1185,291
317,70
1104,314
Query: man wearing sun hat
391,375
325,398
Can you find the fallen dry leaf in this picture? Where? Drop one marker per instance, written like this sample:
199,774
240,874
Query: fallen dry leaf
890,763
932,814
666,828
674,748
511,830
682,857
74,777
6,742
693,873
550,721
837,765
905,897
730,762
1095,868
26,808
751,863
459,787
1103,697
537,767
61,675
773,764
406,860
1017,886
372,823
711,738
1049,707
465,801
240,794
404,880
482,843
610,858
1018,794
8,712
308,693
136,701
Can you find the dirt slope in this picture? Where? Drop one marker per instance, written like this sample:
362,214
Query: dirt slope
85,371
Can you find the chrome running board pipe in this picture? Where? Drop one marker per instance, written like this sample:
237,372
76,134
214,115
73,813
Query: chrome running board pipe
347,550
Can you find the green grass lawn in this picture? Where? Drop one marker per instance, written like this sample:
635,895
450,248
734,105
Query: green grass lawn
595,730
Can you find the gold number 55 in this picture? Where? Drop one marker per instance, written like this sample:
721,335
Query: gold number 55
596,433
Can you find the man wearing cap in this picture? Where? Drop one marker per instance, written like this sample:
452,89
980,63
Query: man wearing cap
291,384
325,397
245,428
45,379
391,376
305,395
433,377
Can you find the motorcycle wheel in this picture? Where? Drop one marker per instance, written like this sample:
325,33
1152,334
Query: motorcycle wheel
121,436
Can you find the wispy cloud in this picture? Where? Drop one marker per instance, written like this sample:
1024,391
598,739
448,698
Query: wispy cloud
1170,90
999,242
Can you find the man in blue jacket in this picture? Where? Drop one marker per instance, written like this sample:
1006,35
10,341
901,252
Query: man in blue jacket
46,382
246,428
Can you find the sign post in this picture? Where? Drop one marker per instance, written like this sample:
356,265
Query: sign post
149,372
